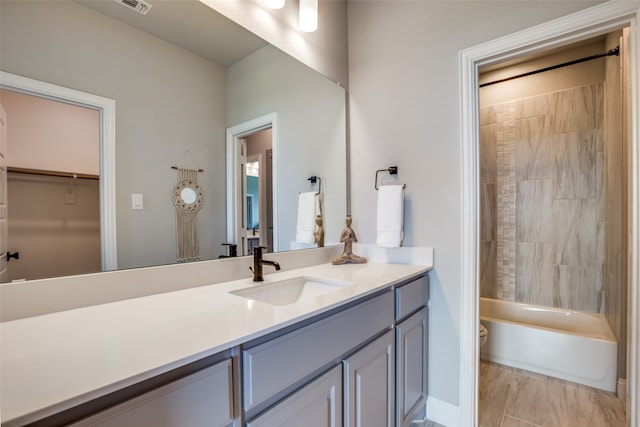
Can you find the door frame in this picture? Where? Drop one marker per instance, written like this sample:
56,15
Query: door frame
4,178
262,197
234,174
591,22
107,110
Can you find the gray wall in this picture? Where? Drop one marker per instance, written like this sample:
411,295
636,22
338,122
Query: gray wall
404,110
168,100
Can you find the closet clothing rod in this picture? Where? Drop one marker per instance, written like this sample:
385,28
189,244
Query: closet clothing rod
52,173
612,52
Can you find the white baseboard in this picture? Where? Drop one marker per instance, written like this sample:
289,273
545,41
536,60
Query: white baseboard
443,413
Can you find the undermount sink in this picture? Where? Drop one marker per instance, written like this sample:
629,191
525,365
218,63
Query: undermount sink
288,291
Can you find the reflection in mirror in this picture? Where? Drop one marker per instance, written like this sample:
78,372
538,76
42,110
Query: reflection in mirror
308,139
53,199
176,89
252,196
188,195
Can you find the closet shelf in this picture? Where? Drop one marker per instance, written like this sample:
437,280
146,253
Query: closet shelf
28,171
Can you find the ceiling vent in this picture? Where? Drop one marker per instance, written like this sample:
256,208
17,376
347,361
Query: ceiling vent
139,6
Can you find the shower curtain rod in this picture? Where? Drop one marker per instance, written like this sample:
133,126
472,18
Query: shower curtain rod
612,52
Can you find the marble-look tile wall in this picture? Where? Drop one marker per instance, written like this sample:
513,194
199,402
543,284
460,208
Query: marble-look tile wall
542,199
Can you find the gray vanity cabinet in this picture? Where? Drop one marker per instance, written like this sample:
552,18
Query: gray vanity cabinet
411,350
284,362
317,404
369,384
362,365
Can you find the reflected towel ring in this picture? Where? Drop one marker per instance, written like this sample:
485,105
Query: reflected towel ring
313,180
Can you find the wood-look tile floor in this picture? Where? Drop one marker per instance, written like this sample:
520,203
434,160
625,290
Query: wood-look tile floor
510,397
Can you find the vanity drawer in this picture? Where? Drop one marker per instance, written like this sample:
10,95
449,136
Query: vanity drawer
273,366
411,296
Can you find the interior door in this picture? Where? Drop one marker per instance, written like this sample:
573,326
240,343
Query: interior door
3,196
243,244
255,199
268,174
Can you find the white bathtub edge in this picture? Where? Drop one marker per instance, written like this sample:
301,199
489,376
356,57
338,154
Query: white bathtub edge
525,347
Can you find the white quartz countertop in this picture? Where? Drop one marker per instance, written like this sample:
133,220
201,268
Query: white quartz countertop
56,361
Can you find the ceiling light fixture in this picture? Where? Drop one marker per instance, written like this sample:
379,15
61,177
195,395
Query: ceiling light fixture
308,15
274,4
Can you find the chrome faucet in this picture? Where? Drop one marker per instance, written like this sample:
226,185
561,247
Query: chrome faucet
258,262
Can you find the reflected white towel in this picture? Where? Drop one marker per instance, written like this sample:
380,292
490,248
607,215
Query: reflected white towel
390,216
306,225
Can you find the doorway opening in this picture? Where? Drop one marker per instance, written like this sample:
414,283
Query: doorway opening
53,188
106,110
553,226
251,219
592,22
258,215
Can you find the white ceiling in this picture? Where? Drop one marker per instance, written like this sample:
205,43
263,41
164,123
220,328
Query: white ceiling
189,24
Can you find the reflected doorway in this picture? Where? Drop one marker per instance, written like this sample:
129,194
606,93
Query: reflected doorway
106,109
254,141
53,187
258,209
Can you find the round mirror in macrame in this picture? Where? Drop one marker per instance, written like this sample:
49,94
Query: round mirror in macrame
187,197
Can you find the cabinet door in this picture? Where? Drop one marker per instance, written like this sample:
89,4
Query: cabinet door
370,384
201,399
318,404
411,351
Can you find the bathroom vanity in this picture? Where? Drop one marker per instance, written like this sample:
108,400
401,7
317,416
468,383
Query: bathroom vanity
349,349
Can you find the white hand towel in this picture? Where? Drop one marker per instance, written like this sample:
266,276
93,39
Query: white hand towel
390,216
306,225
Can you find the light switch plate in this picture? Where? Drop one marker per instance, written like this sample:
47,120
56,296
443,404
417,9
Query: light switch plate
137,201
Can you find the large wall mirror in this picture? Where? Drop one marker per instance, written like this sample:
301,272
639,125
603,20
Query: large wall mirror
181,76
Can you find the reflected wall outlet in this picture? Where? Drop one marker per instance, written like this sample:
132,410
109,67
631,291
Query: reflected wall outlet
136,201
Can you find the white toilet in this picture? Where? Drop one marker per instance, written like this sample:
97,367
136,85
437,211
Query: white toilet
483,335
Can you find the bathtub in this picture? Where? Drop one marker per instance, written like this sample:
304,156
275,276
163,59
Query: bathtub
570,345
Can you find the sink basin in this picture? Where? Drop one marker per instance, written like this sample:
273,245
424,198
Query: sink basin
288,291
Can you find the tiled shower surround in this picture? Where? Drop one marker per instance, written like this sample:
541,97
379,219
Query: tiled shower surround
542,199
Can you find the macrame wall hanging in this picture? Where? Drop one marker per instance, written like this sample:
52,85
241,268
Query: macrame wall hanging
187,197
